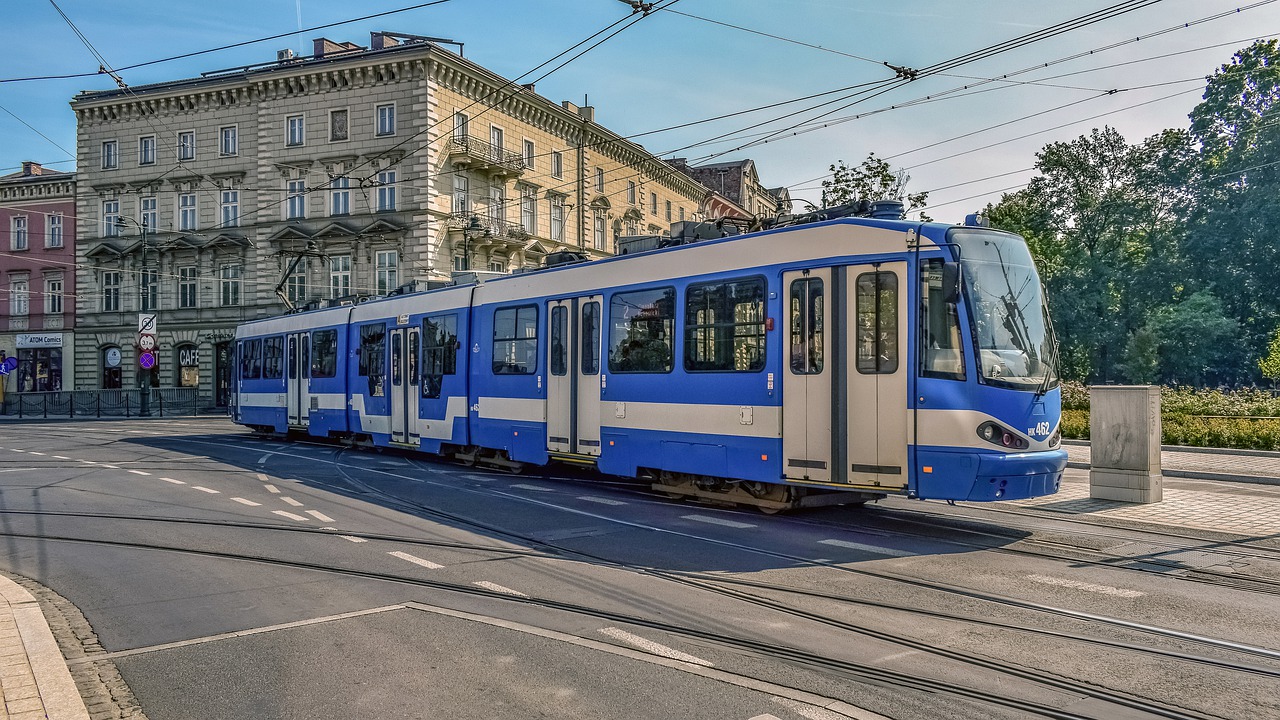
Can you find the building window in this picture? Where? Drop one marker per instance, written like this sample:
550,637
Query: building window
147,216
230,208
229,277
495,139
111,291
295,206
295,130
529,209
515,340
296,284
188,357
528,154
386,191
388,271
340,196
653,203
557,164
461,194
598,229
497,203
557,219
668,209
187,211
19,297
110,218
148,290
53,296
339,276
386,115
147,150
229,142
187,286
641,328
338,131
681,214
187,145
18,232
599,179
55,228
631,192
460,125
497,266
110,155
39,370
724,326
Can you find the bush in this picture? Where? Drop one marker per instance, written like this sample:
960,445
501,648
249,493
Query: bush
1249,433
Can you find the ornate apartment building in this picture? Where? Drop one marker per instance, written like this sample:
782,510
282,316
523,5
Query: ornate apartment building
348,173
37,277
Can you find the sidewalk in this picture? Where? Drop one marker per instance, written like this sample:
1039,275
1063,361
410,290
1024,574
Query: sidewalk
34,680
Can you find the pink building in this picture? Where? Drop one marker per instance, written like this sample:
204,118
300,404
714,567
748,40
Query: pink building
37,278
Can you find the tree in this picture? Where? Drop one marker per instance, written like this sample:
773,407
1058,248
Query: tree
872,180
1194,338
1269,364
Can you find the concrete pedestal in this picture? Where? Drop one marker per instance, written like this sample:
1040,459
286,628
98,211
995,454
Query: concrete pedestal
1124,432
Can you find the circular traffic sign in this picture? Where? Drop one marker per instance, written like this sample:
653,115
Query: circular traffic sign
147,342
147,360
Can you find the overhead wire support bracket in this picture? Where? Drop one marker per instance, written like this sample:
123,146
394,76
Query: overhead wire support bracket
904,73
638,6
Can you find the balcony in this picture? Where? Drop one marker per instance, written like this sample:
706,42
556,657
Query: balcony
475,154
497,233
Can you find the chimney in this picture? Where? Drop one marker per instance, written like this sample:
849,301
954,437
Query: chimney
588,113
30,168
569,106
323,47
381,41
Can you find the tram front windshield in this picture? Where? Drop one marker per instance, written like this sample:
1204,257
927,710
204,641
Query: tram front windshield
1010,320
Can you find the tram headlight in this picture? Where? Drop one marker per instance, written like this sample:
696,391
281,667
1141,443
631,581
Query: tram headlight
1056,440
1005,438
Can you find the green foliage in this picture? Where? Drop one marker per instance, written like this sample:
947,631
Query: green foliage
1269,364
1247,419
1192,337
1142,357
872,180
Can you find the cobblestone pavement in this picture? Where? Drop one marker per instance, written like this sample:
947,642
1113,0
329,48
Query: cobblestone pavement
1210,460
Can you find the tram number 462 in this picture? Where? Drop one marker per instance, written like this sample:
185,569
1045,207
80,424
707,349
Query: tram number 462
1040,430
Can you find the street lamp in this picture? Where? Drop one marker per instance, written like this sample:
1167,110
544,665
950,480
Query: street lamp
472,229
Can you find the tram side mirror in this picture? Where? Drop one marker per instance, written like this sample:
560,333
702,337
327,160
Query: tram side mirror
951,282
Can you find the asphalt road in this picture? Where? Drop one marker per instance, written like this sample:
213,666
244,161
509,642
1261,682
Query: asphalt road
228,576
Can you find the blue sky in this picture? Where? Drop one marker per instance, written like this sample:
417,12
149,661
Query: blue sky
669,69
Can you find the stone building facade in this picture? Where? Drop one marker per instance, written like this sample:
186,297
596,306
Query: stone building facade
735,191
349,173
37,278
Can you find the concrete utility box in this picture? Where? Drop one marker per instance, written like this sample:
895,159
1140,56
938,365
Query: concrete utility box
1124,435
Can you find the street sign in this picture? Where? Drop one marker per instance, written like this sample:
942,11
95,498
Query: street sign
147,342
147,360
146,323
8,366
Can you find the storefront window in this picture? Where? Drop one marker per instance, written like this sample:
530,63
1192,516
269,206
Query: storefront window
39,369
188,366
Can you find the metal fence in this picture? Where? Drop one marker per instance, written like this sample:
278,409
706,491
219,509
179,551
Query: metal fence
164,402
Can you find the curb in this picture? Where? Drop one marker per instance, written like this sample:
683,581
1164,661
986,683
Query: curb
1196,475
58,692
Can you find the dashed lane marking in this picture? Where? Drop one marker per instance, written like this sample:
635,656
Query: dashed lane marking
61,457
113,467
244,501
139,472
352,538
1088,587
498,588
202,488
651,646
33,452
272,489
291,516
600,500
523,486
815,712
868,548
290,501
263,477
175,482
17,450
319,516
416,560
263,460
717,521
16,469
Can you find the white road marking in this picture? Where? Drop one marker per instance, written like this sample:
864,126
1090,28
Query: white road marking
499,589
33,452
250,503
290,501
600,500
353,538
1089,587
201,488
113,467
529,487
262,460
263,477
718,521
652,647
17,450
139,472
61,457
88,462
416,560
868,548
319,516
765,716
291,516
813,712
16,469
175,482
272,489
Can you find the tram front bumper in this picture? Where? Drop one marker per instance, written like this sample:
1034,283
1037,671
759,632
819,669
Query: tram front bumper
963,474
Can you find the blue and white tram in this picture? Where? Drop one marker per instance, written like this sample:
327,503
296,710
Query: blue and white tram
828,362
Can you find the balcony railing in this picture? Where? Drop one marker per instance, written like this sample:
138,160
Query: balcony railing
479,155
499,231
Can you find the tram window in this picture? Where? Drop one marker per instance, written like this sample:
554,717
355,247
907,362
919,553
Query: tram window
293,357
373,354
515,340
439,352
940,351
324,353
272,358
877,323
642,324
559,340
591,338
251,362
724,326
808,324
397,351
411,373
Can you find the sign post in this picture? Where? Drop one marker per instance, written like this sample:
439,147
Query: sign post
147,328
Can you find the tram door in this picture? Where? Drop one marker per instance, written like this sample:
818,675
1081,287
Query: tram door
845,388
298,382
573,375
405,379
